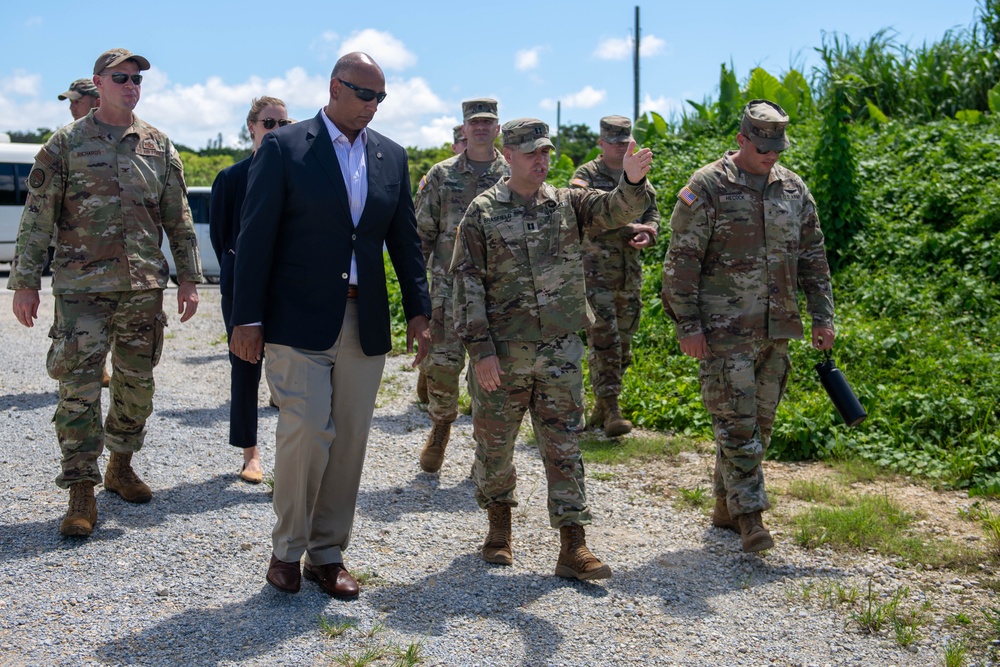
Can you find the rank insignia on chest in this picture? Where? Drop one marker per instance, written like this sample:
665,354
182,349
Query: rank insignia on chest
686,196
530,226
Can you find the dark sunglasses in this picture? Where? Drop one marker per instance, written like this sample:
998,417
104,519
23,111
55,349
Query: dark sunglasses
365,94
269,123
122,77
760,152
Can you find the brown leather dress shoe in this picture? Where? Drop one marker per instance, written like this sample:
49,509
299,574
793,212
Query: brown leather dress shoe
286,577
334,578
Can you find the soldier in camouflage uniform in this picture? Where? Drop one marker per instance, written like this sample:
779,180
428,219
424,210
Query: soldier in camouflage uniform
520,299
744,239
82,96
613,269
459,145
110,185
444,194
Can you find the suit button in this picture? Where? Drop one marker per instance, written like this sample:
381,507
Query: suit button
354,237
344,276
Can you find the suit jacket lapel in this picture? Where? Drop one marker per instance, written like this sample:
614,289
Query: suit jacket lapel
374,157
321,148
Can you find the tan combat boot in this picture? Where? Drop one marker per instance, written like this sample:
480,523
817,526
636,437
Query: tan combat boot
432,455
82,514
575,559
422,396
596,418
497,547
755,536
721,517
614,424
121,479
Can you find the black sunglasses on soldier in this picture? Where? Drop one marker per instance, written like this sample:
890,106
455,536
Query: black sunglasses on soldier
122,77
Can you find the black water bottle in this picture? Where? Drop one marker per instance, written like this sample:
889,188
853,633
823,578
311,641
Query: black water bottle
840,392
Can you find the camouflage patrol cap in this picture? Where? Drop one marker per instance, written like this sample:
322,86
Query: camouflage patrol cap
113,57
483,107
526,135
459,133
79,88
616,129
764,125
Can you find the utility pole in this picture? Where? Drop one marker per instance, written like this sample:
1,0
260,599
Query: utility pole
635,63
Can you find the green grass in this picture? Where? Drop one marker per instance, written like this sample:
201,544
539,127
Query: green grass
813,491
955,653
367,578
879,523
698,497
598,449
335,627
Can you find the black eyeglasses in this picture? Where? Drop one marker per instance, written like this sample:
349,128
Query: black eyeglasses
122,77
269,123
366,94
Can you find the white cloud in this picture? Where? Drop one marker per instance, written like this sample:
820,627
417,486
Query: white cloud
402,116
583,99
192,114
665,106
388,52
438,131
614,48
526,59
21,83
33,22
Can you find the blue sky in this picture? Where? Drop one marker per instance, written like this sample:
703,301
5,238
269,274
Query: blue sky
209,59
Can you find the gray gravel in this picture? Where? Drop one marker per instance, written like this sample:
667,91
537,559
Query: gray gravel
181,580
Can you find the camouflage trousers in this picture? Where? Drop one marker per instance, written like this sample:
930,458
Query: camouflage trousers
86,326
741,386
443,365
609,339
546,379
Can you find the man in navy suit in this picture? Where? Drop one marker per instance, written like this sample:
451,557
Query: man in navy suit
323,197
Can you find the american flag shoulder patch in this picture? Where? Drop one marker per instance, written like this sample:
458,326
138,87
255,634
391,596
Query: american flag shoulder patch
423,182
686,196
579,182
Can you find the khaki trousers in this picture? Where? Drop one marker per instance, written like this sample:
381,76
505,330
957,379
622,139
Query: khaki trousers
326,400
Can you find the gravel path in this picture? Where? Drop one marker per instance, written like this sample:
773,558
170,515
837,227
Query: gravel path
180,581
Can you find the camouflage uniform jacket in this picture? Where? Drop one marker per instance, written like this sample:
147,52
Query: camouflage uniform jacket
737,257
443,196
517,264
109,205
608,257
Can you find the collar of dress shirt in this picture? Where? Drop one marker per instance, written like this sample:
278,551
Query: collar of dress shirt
335,131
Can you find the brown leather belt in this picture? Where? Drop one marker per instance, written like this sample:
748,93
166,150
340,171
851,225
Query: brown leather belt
352,291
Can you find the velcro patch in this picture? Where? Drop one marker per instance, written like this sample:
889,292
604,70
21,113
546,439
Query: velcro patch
37,178
423,182
580,183
686,196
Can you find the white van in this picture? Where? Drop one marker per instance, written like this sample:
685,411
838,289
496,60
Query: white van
198,200
15,165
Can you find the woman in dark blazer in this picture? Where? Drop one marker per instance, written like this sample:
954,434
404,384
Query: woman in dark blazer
228,191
